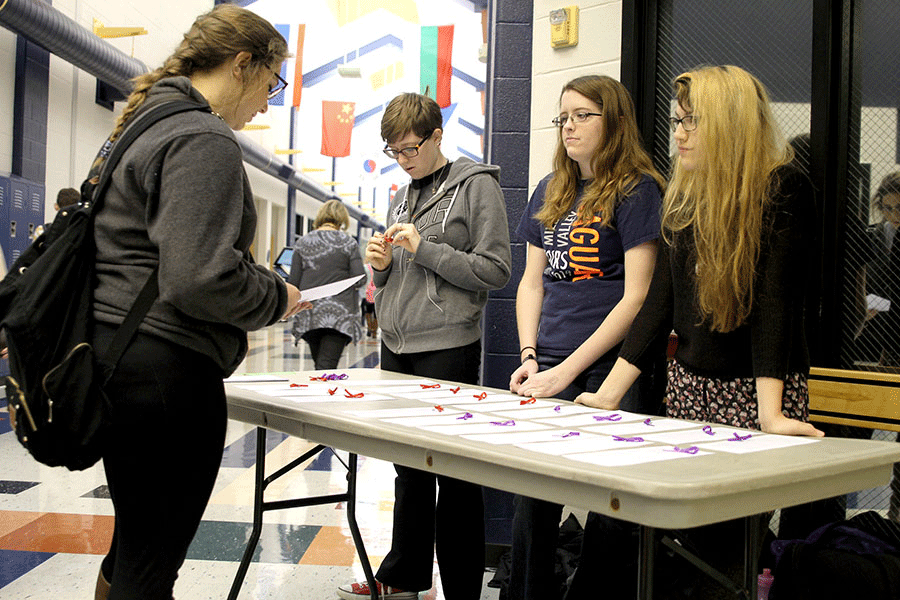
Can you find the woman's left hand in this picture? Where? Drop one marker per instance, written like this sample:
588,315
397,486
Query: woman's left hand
785,426
404,235
543,384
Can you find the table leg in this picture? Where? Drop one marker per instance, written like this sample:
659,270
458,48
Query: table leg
259,489
752,525
646,555
354,527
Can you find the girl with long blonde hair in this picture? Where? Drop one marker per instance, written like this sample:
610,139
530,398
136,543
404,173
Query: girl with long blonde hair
591,229
730,278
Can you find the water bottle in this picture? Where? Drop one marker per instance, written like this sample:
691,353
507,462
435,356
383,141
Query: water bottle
763,583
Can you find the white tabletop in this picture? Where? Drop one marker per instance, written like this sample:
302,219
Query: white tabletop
689,491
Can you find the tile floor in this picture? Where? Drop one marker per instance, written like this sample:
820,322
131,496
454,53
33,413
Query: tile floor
55,525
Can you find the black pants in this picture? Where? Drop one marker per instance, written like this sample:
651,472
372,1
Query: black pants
535,526
169,418
450,520
326,345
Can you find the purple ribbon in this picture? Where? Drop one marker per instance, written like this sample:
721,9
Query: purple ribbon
708,430
557,408
509,423
465,417
625,439
691,450
649,423
739,438
615,417
570,434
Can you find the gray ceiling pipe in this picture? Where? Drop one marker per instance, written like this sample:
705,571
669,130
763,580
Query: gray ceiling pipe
60,35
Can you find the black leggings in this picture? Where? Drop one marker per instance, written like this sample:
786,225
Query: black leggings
169,418
326,346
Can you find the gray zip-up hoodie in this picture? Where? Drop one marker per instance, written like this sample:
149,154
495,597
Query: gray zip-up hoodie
180,198
433,300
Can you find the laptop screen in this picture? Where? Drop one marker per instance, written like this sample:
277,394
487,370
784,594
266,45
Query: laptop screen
283,262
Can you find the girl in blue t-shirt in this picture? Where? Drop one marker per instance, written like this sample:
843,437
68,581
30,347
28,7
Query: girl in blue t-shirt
591,229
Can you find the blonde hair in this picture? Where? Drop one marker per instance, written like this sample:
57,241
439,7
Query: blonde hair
618,161
333,212
725,197
410,112
214,38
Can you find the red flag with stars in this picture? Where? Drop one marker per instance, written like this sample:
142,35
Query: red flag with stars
337,127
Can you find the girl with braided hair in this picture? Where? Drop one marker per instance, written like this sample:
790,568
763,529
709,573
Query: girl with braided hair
180,200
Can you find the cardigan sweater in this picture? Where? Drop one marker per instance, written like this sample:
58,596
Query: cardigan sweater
771,342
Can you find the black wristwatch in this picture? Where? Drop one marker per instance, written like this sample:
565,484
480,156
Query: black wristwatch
529,357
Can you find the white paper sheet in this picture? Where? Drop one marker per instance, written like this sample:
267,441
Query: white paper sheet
758,442
584,443
545,411
657,425
622,458
466,428
878,303
329,289
594,417
524,437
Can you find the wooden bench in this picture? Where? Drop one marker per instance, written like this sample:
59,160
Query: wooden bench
860,398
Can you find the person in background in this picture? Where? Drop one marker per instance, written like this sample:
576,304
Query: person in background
730,277
367,305
64,198
446,245
180,193
325,255
591,228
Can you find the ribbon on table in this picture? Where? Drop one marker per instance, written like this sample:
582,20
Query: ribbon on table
465,417
739,438
425,386
529,401
615,417
691,450
628,439
509,423
347,394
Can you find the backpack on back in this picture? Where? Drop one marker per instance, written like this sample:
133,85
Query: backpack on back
55,388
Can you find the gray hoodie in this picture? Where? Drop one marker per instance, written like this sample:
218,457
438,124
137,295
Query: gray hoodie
180,198
433,300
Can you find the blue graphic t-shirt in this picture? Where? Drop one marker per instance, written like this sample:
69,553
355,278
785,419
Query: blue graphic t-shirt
585,275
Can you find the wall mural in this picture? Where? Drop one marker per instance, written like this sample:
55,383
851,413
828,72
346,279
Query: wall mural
350,59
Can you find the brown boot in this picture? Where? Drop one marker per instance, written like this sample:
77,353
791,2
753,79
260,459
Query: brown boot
101,592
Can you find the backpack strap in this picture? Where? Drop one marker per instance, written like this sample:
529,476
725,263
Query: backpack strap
148,294
140,124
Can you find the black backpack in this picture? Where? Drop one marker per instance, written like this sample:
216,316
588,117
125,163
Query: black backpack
55,386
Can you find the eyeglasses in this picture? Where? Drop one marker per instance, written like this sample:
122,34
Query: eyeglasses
688,123
579,117
279,86
409,152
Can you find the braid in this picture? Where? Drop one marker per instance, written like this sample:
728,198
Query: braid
214,37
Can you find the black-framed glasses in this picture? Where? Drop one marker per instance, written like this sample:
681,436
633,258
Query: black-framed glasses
279,86
408,152
688,123
577,117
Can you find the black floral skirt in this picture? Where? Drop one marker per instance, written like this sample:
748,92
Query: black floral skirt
728,401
